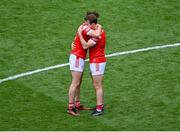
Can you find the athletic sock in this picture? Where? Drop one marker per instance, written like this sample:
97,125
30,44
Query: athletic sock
71,105
77,103
99,107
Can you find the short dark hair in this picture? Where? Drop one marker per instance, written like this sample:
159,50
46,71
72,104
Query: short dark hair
93,12
91,18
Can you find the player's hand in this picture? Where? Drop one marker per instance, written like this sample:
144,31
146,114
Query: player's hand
73,46
99,26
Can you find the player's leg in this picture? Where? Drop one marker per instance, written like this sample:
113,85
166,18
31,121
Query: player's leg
76,67
97,83
76,77
97,71
77,94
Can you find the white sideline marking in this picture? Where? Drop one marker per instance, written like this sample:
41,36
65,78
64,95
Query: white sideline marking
66,64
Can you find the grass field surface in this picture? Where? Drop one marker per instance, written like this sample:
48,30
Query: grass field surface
142,90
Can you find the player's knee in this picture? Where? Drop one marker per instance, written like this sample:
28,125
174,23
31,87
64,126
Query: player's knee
97,85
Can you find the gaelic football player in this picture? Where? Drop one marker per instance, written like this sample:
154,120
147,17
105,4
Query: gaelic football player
97,64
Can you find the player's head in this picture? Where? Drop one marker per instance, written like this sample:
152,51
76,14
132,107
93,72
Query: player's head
92,20
91,17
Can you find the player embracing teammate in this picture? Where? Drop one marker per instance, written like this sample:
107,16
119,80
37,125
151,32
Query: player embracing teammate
90,36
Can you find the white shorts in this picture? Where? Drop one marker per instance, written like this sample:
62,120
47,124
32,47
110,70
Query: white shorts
76,63
97,68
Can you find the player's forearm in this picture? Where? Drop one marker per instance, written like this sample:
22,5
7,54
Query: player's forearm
97,32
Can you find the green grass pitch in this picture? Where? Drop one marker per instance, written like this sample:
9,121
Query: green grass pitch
142,90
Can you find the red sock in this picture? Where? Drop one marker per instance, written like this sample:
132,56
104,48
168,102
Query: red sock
71,105
99,107
78,103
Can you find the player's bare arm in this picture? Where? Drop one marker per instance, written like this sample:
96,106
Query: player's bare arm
96,33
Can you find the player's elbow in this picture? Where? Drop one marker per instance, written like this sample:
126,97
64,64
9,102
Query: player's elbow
85,47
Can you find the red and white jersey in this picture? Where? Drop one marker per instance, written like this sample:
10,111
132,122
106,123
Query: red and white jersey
97,52
78,50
